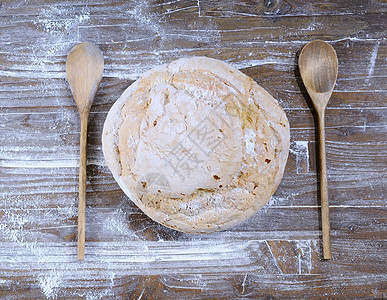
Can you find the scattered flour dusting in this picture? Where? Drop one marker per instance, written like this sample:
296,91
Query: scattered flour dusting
50,282
62,24
279,64
305,256
274,258
117,223
312,26
373,60
141,14
275,201
301,150
153,26
59,26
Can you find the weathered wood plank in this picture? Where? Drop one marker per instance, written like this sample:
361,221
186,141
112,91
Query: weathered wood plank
364,189
155,258
248,29
57,173
206,6
220,286
347,148
255,260
233,8
111,216
60,126
361,78
56,135
276,254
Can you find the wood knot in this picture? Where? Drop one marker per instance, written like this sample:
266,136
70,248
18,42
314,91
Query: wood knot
270,3
353,228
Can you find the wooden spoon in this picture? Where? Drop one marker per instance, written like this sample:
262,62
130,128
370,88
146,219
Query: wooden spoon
318,67
84,67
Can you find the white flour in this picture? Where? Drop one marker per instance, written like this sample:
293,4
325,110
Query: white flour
50,283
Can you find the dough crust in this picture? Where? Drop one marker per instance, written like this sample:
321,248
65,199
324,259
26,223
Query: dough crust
197,145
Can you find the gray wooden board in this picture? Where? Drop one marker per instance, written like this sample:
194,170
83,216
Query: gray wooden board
277,253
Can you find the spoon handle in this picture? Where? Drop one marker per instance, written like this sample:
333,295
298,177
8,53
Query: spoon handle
327,254
82,187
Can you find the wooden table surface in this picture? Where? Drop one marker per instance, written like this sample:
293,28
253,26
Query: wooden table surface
275,254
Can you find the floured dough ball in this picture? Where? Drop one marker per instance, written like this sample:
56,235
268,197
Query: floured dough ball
197,145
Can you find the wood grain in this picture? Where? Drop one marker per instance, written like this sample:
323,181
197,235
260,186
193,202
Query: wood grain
277,253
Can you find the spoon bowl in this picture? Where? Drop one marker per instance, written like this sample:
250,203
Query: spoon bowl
84,68
318,67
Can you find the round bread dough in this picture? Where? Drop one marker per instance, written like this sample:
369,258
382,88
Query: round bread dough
197,145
